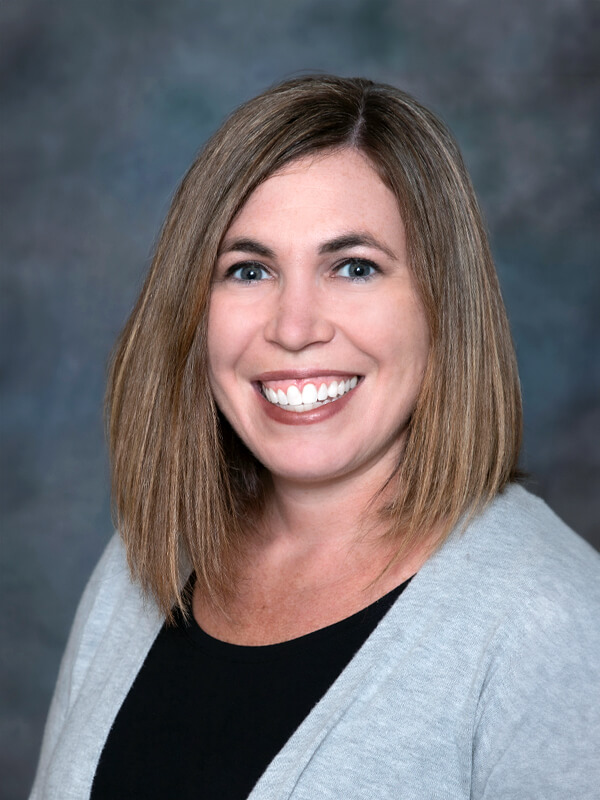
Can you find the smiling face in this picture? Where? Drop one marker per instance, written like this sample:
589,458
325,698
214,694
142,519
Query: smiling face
317,341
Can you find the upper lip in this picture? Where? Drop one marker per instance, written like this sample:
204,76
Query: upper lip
302,374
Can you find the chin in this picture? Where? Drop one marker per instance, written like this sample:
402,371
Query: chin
306,470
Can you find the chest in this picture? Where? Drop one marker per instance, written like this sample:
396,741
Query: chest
272,607
200,705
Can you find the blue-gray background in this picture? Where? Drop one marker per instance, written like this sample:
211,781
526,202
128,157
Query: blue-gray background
104,104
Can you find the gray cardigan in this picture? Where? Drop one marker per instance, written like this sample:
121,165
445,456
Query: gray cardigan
482,681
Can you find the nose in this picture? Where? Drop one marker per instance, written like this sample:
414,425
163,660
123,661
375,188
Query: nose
300,317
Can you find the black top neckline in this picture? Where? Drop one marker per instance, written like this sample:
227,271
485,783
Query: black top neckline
217,648
204,718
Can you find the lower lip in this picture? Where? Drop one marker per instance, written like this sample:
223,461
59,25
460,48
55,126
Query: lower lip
303,417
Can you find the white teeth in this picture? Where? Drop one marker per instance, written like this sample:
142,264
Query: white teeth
303,407
309,397
293,396
309,394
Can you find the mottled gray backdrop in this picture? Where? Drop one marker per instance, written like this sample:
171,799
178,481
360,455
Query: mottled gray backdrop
105,103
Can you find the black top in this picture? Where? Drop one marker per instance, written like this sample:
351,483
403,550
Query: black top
204,718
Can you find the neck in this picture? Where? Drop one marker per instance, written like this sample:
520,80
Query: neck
318,555
309,516
331,533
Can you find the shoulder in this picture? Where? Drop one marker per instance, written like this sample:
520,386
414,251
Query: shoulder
112,607
526,555
109,586
113,628
538,585
519,592
111,575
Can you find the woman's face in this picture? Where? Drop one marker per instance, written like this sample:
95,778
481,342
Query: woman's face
317,341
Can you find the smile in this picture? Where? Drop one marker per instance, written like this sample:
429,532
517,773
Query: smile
312,395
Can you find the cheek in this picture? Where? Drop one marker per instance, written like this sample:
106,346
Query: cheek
230,332
399,333
223,332
416,341
232,325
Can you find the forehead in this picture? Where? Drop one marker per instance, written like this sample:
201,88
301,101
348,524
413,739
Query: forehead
319,196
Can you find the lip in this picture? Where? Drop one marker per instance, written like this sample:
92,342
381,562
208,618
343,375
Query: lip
301,374
320,414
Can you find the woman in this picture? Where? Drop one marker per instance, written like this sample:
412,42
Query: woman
336,589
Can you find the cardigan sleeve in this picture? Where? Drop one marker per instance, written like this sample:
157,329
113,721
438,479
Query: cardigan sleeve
538,728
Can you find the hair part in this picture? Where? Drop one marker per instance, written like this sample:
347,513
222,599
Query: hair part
185,488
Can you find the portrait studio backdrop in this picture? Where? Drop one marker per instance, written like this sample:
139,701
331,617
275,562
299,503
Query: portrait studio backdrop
104,106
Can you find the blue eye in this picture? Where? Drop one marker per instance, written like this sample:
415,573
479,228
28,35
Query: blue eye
248,273
357,269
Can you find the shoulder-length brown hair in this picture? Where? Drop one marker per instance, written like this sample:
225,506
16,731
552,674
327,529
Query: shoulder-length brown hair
184,486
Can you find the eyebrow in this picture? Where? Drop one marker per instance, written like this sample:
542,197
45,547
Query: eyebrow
247,246
349,240
345,241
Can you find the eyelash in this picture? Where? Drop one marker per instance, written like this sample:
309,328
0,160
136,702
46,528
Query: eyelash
363,262
230,274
